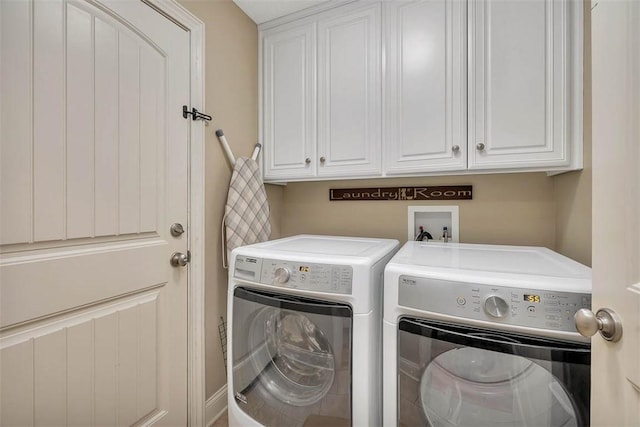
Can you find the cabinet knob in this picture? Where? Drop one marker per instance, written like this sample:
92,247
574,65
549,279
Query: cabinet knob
307,160
480,146
322,159
455,148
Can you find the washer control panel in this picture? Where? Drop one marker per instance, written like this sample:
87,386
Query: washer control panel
515,306
325,278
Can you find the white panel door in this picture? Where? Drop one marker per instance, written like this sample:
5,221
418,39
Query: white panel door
519,83
426,86
289,101
93,157
615,370
349,95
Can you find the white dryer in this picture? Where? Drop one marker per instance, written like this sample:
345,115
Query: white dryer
304,331
484,335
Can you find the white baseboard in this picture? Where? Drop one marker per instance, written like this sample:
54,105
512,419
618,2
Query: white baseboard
216,405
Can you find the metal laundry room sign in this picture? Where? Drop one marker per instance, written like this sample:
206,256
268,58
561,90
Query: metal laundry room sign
442,192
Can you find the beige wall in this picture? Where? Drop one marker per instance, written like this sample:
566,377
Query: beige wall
231,81
513,209
573,190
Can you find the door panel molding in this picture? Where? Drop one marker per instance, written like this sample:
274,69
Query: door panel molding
38,328
106,367
7,251
74,122
62,288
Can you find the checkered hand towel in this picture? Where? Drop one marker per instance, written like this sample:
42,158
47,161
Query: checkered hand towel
246,219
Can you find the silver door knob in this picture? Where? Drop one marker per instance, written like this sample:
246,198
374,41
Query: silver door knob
480,146
605,321
178,259
322,159
307,160
176,229
455,148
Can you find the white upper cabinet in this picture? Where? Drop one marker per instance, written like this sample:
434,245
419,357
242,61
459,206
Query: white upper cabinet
525,84
322,120
425,99
349,92
289,104
422,87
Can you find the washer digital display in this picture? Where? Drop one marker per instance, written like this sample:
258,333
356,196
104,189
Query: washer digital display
531,298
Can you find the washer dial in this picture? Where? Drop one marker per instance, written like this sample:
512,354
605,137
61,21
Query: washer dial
281,275
496,306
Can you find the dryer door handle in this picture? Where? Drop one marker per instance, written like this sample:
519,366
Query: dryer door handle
525,346
293,303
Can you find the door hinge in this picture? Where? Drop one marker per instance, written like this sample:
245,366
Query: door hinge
195,114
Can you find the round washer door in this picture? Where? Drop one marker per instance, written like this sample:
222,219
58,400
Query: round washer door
301,365
476,387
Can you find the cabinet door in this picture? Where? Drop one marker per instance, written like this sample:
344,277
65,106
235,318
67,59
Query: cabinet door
425,99
349,92
523,111
289,104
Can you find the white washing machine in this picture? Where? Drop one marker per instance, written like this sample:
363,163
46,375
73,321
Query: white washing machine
304,331
484,335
